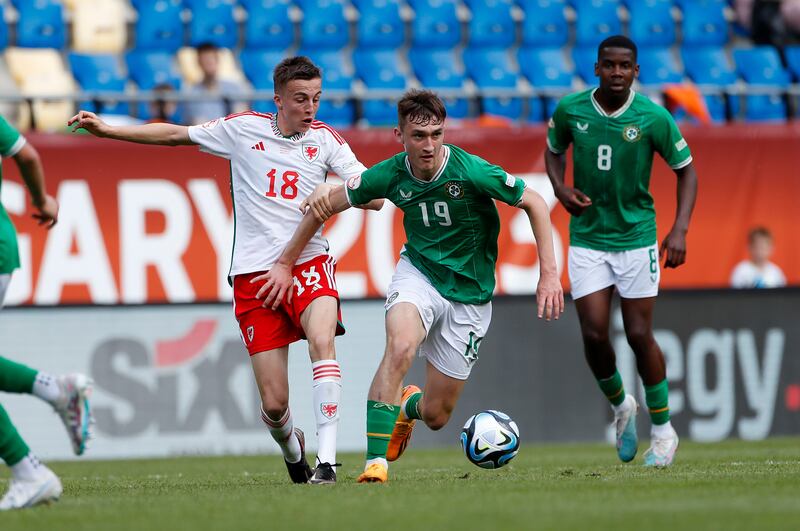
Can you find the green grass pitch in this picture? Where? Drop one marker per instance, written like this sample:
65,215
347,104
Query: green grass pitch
731,485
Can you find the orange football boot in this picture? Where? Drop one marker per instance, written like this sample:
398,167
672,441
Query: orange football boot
403,427
375,473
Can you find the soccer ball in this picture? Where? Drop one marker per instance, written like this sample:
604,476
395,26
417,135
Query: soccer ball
490,439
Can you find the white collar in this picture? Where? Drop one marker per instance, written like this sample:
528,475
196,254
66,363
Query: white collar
616,114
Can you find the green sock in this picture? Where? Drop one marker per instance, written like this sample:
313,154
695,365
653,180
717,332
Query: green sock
380,423
16,378
613,389
657,398
411,407
12,447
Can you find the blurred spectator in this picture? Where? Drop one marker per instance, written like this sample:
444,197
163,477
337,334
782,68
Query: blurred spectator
758,271
221,90
775,22
162,110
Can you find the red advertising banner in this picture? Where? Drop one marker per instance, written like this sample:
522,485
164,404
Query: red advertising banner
147,224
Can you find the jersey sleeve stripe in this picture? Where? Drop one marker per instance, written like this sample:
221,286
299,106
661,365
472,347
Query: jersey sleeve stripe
248,113
347,194
552,148
14,149
322,125
682,164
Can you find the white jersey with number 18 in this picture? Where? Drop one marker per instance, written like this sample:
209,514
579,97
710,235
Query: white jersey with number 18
270,176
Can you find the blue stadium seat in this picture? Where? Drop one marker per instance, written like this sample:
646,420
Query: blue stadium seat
704,24
101,72
159,26
793,60
584,58
379,69
761,66
333,64
545,68
436,69
258,65
710,66
3,29
536,110
545,23
435,24
150,68
268,25
40,24
380,25
324,25
658,66
491,23
213,22
596,20
491,68
651,23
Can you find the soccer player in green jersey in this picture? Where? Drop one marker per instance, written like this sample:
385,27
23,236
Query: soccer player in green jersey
615,132
32,482
439,299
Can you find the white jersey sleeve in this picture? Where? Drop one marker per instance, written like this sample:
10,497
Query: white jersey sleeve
217,137
343,162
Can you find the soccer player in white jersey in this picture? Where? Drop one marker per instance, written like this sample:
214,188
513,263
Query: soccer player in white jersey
276,161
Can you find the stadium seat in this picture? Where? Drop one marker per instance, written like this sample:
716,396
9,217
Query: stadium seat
651,23
324,25
658,66
40,24
159,26
536,110
595,20
545,68
435,24
213,22
710,66
585,58
793,60
100,72
335,66
3,29
491,68
380,25
491,23
379,70
545,23
258,66
149,68
761,66
704,24
187,62
436,69
99,27
268,25
40,72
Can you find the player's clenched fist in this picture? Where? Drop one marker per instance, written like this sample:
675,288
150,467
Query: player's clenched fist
88,121
319,202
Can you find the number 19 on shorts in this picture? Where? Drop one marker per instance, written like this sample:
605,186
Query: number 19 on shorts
604,157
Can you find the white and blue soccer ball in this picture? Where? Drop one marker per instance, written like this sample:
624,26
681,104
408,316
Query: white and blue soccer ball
490,439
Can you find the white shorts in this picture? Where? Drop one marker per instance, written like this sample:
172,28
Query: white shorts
635,273
5,280
454,330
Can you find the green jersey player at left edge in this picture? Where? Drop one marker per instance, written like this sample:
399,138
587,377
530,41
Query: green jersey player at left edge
32,482
439,299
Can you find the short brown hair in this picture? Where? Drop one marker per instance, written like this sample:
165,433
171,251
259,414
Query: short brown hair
758,232
291,68
421,107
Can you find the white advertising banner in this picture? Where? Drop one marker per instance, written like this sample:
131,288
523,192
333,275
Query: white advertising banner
173,380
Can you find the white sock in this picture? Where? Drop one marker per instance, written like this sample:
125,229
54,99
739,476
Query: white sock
625,405
327,382
282,430
46,387
661,431
378,460
27,469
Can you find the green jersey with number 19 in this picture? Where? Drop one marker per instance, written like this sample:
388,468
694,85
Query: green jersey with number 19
612,159
451,222
10,144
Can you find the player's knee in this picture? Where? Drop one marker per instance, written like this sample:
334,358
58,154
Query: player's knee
639,338
436,420
400,350
275,411
594,336
321,346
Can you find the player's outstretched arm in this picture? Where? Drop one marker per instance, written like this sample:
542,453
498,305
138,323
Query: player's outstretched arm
161,134
278,280
32,171
549,294
674,245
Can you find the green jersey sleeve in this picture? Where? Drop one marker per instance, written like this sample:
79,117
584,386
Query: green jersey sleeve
10,139
371,184
496,182
559,136
669,142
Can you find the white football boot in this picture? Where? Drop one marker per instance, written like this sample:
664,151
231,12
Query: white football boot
74,409
661,451
625,424
45,488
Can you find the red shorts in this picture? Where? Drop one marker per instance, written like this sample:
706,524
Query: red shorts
266,329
